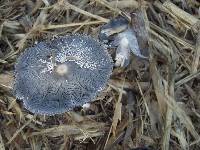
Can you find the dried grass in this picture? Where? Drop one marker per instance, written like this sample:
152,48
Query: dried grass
154,104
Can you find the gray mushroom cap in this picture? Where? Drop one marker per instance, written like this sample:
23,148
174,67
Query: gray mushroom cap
54,77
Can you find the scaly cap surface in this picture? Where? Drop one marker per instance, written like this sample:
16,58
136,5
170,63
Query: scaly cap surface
45,88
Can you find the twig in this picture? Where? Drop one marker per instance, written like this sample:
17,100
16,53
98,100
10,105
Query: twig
107,4
186,79
181,14
66,6
124,4
169,113
70,25
196,55
170,35
2,147
19,130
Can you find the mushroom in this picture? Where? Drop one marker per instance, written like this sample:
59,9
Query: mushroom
126,42
114,26
125,38
54,77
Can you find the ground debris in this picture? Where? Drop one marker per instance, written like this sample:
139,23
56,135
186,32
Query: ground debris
151,103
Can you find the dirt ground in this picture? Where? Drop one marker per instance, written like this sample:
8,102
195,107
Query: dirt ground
150,104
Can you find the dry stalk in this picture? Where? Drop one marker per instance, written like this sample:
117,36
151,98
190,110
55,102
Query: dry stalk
180,14
196,55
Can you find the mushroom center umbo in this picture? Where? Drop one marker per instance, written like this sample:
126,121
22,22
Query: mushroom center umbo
61,69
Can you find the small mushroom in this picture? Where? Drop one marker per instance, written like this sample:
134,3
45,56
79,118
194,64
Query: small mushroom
126,38
114,26
54,77
126,42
